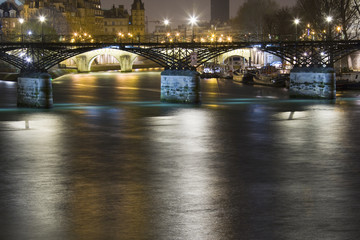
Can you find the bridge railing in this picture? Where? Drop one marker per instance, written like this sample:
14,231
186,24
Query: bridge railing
152,38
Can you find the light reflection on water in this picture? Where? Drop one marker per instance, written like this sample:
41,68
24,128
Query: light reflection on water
33,175
110,161
188,174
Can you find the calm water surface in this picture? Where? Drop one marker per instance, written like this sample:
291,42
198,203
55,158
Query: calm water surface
110,161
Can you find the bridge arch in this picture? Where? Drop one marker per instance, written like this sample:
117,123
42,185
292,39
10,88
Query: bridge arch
94,59
257,56
245,53
84,60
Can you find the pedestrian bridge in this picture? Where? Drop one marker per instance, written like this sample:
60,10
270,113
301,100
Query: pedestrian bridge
313,61
41,56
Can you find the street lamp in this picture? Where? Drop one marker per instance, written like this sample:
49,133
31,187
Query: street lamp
166,24
193,21
42,20
329,19
338,29
296,22
21,21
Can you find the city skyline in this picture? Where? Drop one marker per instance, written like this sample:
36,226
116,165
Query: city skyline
178,12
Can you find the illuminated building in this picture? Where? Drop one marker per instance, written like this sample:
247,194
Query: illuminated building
9,18
137,18
66,17
116,21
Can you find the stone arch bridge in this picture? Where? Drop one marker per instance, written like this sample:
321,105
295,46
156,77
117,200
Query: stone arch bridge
125,59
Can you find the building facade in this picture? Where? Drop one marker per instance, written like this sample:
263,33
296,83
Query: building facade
66,16
116,21
81,18
137,18
9,18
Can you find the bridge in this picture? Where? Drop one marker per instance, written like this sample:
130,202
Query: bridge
38,55
41,56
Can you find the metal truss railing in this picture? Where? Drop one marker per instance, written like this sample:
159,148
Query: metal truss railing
40,54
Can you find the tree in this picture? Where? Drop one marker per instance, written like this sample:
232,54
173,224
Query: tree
346,18
37,28
252,15
356,27
343,13
283,23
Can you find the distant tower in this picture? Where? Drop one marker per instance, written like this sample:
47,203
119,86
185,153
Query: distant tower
220,11
137,19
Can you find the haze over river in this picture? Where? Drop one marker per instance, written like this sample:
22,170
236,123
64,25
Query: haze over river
110,161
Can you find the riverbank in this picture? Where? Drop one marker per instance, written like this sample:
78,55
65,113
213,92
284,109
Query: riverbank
8,76
58,72
55,73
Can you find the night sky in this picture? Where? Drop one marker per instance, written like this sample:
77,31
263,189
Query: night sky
179,10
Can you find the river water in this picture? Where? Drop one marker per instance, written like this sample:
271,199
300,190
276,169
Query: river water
110,161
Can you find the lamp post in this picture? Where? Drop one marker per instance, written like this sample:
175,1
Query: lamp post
193,20
166,24
296,22
338,29
21,21
42,20
329,20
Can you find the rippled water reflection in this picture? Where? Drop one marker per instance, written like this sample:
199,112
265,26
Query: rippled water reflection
110,161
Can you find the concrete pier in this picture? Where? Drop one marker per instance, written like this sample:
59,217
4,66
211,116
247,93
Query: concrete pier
126,63
34,90
313,82
180,86
82,63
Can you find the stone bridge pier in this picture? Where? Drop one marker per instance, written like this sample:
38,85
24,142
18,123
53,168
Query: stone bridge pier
180,86
34,90
312,82
126,63
125,59
82,63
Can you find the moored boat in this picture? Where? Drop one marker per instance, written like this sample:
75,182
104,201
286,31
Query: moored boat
270,76
210,70
348,81
243,76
